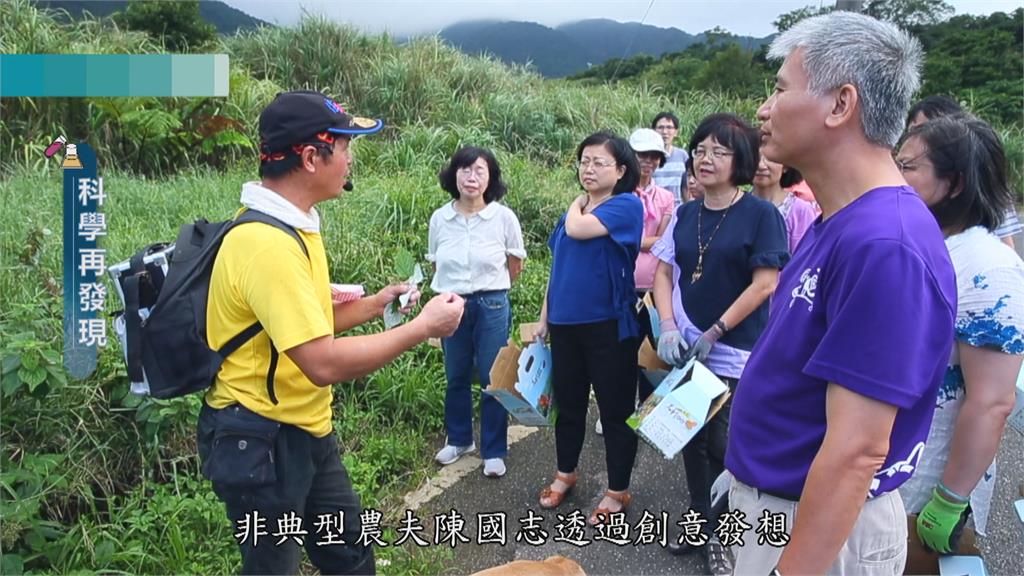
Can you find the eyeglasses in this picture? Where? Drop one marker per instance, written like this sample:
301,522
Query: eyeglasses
597,163
467,171
716,153
908,165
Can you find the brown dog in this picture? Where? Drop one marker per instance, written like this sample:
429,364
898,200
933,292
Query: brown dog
552,566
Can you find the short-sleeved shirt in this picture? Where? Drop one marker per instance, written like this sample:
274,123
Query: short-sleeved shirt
748,235
471,253
868,303
1010,225
592,280
658,204
723,360
672,176
990,314
799,215
262,274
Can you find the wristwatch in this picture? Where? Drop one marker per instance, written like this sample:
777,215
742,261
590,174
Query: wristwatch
721,326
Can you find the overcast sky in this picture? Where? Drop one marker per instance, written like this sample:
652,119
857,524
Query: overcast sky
402,17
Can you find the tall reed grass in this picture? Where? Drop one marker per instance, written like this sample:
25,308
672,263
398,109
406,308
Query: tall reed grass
81,461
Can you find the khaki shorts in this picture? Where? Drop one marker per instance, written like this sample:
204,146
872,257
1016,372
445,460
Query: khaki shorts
877,545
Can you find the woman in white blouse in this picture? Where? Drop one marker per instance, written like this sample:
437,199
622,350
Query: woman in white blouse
476,245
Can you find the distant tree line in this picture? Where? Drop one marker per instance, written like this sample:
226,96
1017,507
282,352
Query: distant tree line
977,59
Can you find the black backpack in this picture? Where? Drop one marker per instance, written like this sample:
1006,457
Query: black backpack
168,349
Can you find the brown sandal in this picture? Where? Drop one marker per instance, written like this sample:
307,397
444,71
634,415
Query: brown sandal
553,497
601,515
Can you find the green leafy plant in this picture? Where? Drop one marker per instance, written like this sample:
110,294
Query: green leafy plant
91,475
32,364
25,485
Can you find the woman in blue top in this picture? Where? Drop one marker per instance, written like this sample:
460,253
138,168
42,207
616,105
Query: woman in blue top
720,261
589,314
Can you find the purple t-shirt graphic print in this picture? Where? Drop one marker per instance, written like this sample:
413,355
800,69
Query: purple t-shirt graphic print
868,302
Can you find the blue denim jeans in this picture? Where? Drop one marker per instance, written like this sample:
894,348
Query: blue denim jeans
474,346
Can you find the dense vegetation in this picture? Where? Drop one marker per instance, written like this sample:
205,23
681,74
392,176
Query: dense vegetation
93,478
570,48
977,59
223,18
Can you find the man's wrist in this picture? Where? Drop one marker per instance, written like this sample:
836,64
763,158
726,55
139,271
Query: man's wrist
419,327
379,304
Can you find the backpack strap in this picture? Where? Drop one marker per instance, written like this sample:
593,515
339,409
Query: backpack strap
250,332
270,373
243,337
132,327
255,216
132,322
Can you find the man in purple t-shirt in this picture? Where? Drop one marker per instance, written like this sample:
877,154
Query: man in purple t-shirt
834,406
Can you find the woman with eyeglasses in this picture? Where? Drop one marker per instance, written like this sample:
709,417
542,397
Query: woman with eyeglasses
720,261
772,182
589,315
476,245
937,106
694,189
671,175
958,167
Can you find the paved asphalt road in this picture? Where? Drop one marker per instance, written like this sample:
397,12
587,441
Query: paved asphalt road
658,485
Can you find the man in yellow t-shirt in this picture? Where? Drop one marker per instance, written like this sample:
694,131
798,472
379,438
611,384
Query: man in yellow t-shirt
264,432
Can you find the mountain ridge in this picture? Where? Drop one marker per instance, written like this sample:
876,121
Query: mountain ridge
225,18
572,47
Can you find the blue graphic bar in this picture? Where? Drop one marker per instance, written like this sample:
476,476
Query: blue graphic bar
75,75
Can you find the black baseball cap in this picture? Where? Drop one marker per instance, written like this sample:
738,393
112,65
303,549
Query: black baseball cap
296,117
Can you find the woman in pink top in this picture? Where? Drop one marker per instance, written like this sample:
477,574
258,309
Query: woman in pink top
771,183
658,205
802,191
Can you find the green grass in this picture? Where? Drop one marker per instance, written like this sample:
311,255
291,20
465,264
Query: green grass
125,460
93,478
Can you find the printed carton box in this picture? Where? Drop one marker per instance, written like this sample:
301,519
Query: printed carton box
922,561
679,407
962,566
647,357
521,381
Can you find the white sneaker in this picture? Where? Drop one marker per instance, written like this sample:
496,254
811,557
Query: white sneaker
598,429
449,454
494,467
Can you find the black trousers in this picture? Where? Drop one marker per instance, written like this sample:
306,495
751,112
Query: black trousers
585,354
704,459
303,477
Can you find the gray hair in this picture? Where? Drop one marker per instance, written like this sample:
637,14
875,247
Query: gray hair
882,61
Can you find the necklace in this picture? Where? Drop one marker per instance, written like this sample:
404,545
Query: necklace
703,246
596,204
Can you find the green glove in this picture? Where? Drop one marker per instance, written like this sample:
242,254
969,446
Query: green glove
941,522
